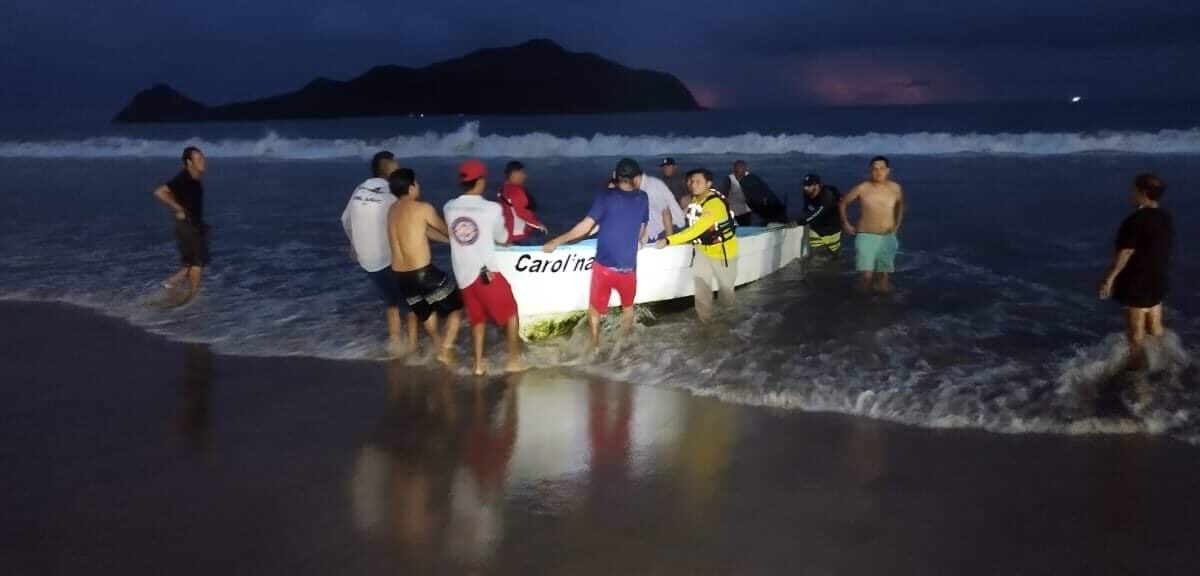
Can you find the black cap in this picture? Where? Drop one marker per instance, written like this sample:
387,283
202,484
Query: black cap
668,161
513,166
812,179
628,168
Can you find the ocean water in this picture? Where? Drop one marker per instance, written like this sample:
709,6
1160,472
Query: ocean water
996,323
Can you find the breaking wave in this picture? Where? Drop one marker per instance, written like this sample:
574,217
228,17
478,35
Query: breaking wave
468,140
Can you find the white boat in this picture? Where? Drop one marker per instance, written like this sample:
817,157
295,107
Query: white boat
552,289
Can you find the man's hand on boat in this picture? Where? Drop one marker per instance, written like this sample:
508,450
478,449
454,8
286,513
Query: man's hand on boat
662,243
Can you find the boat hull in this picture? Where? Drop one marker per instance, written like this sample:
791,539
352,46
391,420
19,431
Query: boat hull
552,289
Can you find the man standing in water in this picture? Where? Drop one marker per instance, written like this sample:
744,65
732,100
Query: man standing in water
622,213
711,228
882,213
675,182
665,213
736,196
411,223
476,226
821,216
365,221
1137,278
184,196
520,218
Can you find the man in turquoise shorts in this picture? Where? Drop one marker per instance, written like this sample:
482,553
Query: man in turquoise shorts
881,214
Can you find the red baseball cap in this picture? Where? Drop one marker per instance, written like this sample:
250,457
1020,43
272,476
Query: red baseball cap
471,170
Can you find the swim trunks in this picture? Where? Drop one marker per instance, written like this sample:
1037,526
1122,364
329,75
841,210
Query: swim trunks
193,243
428,290
605,280
831,242
492,300
388,286
876,252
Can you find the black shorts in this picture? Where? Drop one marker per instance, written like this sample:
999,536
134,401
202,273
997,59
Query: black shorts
429,290
193,243
745,219
387,286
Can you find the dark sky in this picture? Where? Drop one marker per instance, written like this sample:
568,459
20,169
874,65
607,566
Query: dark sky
79,59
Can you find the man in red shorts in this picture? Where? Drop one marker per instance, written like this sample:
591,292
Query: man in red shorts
622,213
476,226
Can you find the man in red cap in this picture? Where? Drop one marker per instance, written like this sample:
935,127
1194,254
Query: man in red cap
476,226
426,290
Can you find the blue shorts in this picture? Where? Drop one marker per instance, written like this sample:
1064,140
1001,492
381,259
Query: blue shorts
387,286
876,252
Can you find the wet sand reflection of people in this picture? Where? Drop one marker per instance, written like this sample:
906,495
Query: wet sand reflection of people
477,495
608,429
401,471
1114,522
194,418
710,433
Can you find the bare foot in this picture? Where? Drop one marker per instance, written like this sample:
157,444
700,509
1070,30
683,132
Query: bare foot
481,368
446,356
516,365
396,348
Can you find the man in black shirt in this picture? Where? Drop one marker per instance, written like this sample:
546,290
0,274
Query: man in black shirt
184,196
759,196
1137,278
821,216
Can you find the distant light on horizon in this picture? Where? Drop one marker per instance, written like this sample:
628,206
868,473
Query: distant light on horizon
1076,99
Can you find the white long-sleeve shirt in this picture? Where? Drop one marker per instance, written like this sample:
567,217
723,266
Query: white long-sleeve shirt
661,199
365,223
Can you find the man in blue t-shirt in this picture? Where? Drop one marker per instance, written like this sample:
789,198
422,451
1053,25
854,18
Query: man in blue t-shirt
622,213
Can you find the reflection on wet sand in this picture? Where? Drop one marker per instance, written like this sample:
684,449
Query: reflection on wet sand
1117,498
194,418
448,457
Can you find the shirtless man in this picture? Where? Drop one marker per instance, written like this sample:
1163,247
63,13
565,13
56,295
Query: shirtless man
411,224
882,212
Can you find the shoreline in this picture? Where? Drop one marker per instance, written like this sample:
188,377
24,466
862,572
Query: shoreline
130,453
1111,418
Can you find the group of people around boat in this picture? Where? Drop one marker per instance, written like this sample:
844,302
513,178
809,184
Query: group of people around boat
389,227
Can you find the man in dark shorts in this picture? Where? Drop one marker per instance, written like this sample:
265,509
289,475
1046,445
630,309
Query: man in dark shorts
824,225
621,212
184,196
1137,278
365,223
426,290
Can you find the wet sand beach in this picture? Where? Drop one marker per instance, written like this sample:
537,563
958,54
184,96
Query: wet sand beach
124,453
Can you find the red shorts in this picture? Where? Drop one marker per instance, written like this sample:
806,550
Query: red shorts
493,301
605,280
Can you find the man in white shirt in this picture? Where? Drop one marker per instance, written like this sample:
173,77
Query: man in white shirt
665,212
365,223
476,225
735,194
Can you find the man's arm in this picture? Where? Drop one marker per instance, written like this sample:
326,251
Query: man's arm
393,237
578,231
519,200
666,218
435,227
844,203
642,236
1114,270
163,194
899,209
346,220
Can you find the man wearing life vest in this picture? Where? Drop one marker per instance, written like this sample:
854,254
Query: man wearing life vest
712,229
